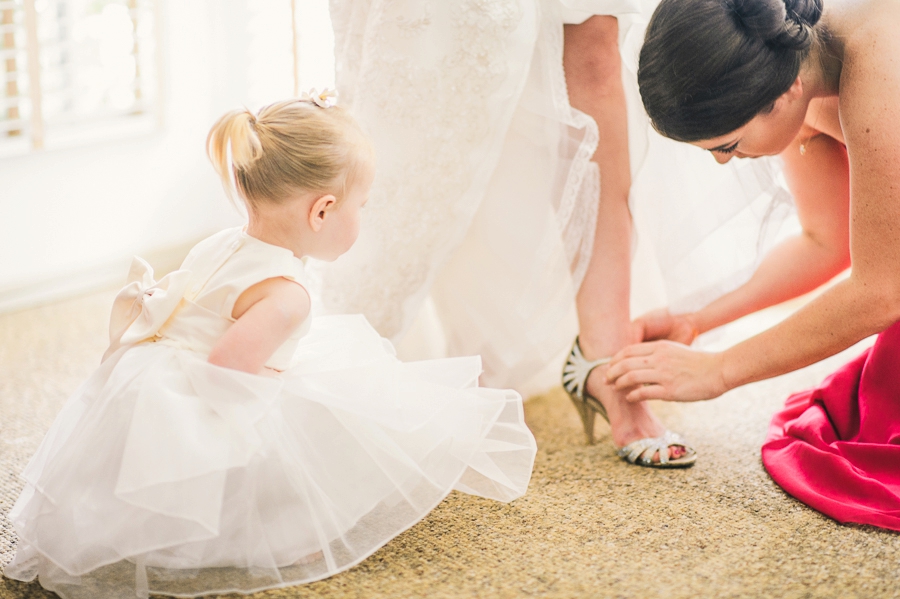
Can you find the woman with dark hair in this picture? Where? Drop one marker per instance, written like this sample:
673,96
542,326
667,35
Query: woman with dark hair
819,86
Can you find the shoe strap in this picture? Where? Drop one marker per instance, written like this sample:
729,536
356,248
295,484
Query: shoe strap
643,449
577,370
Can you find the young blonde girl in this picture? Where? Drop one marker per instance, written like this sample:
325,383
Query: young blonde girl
230,443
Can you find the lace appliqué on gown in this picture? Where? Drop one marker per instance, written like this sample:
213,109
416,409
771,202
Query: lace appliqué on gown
459,97
428,81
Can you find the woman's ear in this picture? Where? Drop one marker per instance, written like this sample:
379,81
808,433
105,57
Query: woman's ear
319,211
795,92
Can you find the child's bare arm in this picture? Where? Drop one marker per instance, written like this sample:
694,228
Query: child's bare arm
266,314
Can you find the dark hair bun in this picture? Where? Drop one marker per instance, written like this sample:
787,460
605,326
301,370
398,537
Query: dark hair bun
781,23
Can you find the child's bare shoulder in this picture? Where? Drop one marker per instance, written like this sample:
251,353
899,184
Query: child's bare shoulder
289,297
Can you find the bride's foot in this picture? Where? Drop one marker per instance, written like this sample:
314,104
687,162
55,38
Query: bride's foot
628,421
635,430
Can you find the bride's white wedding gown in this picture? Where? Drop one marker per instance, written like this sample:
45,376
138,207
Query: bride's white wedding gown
481,220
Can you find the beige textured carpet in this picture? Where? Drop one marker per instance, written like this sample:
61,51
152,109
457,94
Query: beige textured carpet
590,525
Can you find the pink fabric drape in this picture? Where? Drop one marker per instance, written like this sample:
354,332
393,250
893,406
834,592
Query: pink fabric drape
837,447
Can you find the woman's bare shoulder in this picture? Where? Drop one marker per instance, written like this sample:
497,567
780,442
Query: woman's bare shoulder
869,34
870,104
865,27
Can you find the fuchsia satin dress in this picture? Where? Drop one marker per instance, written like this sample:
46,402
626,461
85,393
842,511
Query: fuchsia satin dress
837,447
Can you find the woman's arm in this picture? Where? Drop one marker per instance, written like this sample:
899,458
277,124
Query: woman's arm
864,304
820,182
266,314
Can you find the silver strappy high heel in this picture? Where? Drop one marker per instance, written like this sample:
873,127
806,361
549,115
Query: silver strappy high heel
574,379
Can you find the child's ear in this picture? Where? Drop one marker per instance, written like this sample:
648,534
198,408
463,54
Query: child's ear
319,211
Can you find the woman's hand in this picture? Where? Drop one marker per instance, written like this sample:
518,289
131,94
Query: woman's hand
662,324
667,370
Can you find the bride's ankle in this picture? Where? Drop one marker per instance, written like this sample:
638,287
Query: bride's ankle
595,347
599,388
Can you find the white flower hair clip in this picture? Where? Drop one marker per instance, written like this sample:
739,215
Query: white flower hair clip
326,99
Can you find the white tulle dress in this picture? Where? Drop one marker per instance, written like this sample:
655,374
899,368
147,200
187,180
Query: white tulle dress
481,221
166,474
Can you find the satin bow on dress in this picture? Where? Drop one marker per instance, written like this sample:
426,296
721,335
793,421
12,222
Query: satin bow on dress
144,305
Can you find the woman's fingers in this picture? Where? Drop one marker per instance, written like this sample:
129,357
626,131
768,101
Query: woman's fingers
638,372
666,370
684,330
663,325
643,393
638,349
631,357
655,325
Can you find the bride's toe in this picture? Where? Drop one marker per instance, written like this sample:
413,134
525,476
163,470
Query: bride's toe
656,452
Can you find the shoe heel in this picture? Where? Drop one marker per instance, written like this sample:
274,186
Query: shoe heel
587,418
574,379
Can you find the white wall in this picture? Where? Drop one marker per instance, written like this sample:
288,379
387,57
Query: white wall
70,219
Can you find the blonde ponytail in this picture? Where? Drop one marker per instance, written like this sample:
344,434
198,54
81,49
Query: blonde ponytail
289,147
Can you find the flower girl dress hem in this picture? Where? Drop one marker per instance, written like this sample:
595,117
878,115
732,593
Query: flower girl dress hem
166,474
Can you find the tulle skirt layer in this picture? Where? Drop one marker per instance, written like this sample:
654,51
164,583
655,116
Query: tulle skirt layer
165,474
